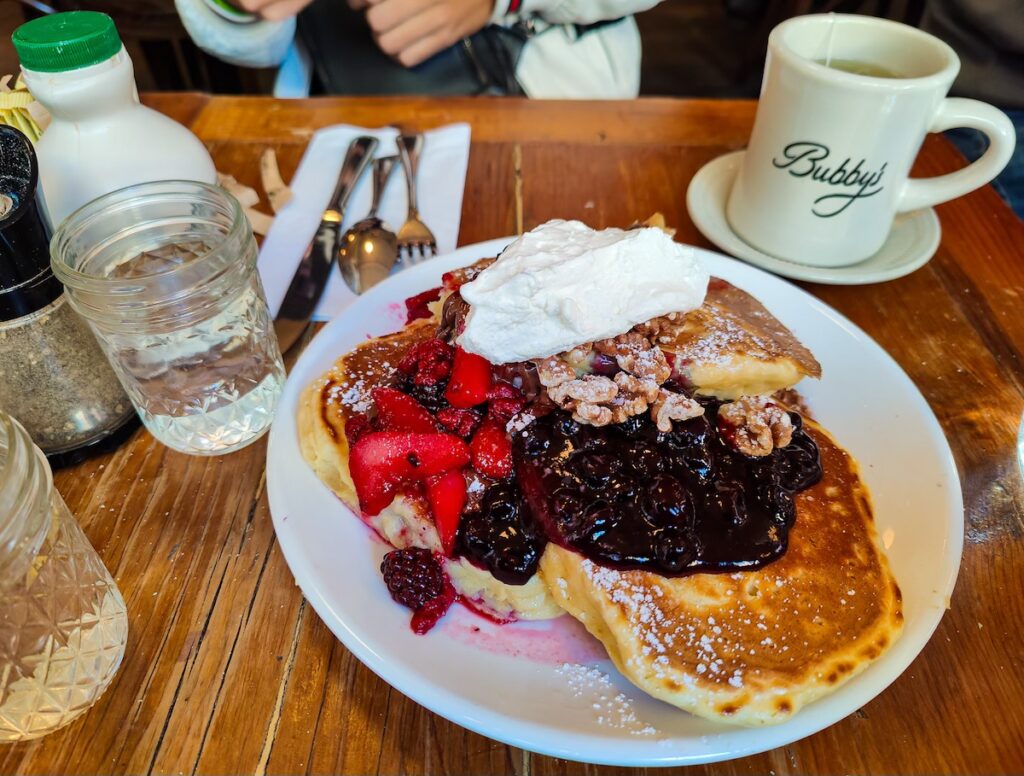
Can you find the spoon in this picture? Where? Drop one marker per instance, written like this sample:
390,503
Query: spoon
368,250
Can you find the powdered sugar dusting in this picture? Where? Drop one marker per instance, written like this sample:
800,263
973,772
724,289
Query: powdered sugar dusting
611,707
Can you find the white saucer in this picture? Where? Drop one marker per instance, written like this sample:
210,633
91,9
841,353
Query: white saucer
911,243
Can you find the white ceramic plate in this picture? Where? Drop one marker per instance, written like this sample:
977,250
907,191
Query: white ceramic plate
510,682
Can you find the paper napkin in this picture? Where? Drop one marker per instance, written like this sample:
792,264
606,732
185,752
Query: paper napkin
441,180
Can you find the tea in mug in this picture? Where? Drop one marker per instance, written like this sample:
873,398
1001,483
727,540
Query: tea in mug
858,67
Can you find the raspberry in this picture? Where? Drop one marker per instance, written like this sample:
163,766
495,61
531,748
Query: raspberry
413,576
429,362
504,401
460,422
355,427
415,579
417,306
503,410
426,617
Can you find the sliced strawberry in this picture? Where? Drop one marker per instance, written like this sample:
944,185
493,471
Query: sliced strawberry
460,422
428,362
447,496
382,460
491,450
397,411
470,380
418,306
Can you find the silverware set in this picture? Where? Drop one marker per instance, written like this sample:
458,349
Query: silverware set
368,250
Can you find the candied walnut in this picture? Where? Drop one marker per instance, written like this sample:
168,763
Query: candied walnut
601,400
628,406
756,425
660,325
635,354
594,414
592,389
579,356
554,371
670,406
635,386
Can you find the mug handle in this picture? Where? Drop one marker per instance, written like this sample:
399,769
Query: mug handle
959,112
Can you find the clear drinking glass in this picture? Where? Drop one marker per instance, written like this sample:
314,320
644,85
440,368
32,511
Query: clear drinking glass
63,626
165,274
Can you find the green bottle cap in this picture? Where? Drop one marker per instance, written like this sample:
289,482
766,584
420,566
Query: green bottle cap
66,41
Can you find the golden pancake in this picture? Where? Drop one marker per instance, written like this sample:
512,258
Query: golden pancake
731,346
752,647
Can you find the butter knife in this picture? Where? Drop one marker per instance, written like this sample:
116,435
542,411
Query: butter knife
314,270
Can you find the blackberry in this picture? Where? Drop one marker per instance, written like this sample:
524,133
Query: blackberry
430,396
413,576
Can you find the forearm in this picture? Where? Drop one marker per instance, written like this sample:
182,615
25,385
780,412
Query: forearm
570,11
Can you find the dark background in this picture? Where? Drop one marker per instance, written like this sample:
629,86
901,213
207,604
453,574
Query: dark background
695,48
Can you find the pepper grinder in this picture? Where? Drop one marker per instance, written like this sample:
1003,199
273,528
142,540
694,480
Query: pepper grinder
54,380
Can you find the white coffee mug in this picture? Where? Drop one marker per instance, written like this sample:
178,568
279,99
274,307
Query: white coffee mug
829,158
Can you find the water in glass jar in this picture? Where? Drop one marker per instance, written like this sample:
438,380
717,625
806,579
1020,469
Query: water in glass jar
212,386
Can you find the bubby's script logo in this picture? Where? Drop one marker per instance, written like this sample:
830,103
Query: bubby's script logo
806,160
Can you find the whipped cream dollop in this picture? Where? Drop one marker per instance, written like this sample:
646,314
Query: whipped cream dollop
564,284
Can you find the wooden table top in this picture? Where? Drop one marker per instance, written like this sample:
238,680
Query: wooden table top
229,671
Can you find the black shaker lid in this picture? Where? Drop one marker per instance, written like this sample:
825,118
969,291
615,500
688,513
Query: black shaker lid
27,283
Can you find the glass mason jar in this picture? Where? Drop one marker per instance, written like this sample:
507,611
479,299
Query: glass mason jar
63,625
165,274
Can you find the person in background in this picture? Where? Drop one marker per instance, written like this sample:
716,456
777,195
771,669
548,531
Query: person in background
540,48
988,36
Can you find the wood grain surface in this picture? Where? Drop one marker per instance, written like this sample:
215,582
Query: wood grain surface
228,670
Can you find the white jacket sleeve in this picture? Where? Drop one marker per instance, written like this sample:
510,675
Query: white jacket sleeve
572,11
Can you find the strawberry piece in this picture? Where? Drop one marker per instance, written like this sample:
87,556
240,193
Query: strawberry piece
429,362
470,380
355,427
447,496
504,401
383,460
416,307
460,422
491,451
398,412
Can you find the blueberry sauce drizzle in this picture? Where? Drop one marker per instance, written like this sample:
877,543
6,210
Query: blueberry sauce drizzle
631,497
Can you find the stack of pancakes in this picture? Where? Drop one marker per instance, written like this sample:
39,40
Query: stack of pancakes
750,647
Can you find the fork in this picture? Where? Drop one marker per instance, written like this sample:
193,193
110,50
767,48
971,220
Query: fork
415,240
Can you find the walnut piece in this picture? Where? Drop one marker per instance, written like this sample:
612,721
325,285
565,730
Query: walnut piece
670,406
592,389
757,425
635,354
554,371
594,414
600,400
646,388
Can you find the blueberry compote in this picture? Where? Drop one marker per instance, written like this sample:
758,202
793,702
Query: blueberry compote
501,536
632,497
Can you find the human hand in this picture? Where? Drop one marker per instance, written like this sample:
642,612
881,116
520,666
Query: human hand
411,31
272,10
